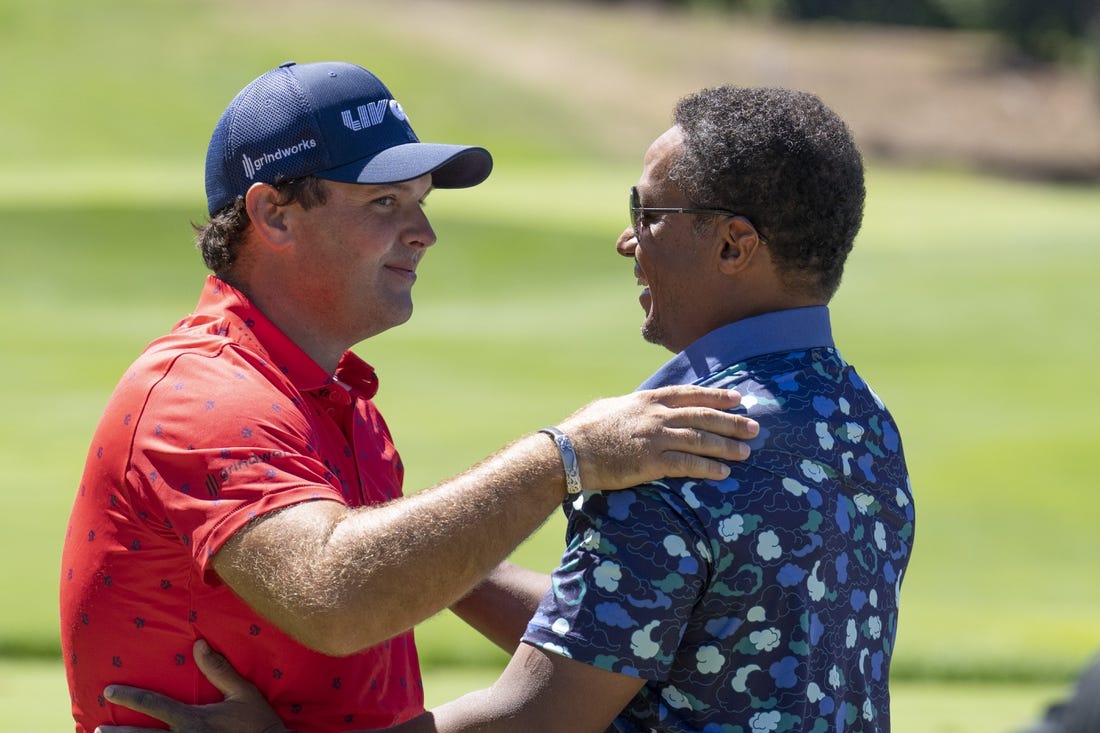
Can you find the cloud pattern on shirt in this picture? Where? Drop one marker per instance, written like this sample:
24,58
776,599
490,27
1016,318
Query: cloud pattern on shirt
763,602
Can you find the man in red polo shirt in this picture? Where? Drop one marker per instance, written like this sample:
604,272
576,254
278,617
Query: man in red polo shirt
243,488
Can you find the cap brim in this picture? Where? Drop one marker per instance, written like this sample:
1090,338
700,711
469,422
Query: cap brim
451,166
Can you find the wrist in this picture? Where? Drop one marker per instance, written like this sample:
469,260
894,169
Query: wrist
570,463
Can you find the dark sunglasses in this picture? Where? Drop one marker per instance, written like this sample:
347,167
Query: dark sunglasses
637,211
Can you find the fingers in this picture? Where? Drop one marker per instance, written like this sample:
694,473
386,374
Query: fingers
220,672
687,395
708,443
681,431
689,465
701,428
705,410
243,709
144,701
694,437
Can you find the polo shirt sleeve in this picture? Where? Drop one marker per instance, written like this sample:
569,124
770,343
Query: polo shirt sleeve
217,443
635,566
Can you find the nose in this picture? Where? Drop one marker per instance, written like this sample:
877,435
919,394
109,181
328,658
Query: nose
626,242
421,234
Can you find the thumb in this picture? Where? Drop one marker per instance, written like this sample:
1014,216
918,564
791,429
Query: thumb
220,672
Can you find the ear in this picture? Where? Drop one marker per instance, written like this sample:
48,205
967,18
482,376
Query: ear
268,217
740,243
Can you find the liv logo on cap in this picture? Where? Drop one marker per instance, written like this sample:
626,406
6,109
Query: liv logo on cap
371,114
332,120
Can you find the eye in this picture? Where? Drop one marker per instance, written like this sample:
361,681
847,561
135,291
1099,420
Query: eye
385,201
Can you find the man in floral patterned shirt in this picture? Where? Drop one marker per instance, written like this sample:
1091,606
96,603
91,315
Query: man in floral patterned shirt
767,601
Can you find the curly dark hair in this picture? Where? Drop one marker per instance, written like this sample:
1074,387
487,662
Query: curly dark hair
219,239
788,164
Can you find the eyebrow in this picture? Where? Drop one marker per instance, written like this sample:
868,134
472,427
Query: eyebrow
400,187
405,186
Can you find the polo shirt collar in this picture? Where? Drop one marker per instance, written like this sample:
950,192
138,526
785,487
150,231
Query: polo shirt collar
304,373
786,330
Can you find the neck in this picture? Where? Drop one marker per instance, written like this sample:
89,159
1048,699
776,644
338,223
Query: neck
738,307
318,345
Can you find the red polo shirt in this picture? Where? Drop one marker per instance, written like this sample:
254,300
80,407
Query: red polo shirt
220,421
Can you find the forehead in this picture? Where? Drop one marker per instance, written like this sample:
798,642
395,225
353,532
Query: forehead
658,161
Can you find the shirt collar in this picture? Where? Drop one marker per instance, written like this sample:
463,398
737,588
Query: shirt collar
786,330
221,302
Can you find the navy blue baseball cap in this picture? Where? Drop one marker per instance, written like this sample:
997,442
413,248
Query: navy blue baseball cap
333,120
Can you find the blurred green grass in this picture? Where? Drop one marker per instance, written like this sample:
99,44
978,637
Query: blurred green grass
924,707
969,303
979,340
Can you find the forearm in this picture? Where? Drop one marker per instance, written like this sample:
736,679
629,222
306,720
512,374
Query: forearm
377,571
418,556
340,580
538,691
502,604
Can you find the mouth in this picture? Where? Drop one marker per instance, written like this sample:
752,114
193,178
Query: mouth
644,298
406,272
404,269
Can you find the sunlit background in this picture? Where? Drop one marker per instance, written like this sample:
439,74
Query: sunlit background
970,301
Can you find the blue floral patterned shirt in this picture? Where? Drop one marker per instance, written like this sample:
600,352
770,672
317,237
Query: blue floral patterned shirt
767,601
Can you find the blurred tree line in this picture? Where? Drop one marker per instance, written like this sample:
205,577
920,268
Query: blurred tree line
1035,30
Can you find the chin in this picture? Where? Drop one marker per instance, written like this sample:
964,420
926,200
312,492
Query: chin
651,332
654,334
380,323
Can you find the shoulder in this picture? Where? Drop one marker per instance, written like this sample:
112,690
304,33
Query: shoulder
193,392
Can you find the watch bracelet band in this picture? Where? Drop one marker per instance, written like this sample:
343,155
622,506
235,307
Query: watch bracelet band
568,458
